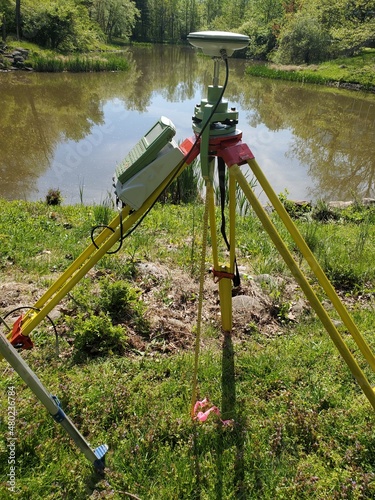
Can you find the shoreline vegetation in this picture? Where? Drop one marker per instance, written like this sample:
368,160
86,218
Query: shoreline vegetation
352,73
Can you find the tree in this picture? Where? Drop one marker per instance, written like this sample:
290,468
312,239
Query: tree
63,26
18,18
6,17
350,23
303,40
115,17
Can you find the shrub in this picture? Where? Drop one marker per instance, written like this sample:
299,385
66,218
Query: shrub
303,40
121,301
60,26
54,197
97,336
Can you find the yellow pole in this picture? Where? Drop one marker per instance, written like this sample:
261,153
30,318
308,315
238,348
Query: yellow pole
225,283
314,265
302,281
200,300
89,257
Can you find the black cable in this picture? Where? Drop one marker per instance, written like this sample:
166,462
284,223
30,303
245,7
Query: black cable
103,226
197,139
180,165
34,309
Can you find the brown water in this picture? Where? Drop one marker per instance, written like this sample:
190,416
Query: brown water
69,131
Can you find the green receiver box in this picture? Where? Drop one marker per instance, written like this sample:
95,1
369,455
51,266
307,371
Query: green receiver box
148,164
146,150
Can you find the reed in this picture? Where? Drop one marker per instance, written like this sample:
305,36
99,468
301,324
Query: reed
79,63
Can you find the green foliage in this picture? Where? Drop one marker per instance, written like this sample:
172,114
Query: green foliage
301,428
123,304
356,70
291,31
79,63
262,39
115,17
65,27
97,336
302,40
184,189
294,209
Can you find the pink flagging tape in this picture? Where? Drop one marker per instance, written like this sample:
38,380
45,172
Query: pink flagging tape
203,415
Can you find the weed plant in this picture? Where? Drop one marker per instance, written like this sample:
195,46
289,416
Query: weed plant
79,63
299,425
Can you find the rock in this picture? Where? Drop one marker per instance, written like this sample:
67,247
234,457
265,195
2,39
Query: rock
340,204
16,59
346,204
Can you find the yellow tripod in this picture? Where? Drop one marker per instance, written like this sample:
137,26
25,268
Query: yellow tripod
215,126
236,155
216,138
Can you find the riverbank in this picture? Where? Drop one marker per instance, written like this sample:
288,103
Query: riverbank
352,73
29,57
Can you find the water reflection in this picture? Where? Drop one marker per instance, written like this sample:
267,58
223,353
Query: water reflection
69,131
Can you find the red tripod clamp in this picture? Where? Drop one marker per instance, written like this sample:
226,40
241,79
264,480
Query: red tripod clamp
229,147
17,339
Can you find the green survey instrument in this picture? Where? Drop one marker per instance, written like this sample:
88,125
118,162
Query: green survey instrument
147,164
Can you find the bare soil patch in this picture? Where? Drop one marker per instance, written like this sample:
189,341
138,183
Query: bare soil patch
171,297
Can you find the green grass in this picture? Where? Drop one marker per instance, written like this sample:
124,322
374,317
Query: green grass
79,63
302,429
356,70
103,58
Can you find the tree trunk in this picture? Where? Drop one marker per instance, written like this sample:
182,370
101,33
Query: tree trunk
18,18
3,29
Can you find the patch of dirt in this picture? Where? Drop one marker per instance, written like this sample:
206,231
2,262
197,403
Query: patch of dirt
171,298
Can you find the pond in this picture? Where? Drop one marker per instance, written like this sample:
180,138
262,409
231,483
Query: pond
69,131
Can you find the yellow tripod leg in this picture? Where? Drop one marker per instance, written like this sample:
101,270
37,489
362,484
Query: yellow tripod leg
91,255
225,282
304,284
314,265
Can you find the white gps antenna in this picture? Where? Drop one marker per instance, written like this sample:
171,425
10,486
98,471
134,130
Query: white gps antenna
213,43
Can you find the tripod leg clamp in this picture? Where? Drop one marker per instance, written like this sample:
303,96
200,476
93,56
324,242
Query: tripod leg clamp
17,339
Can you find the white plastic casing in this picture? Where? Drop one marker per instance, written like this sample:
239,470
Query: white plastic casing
213,42
136,190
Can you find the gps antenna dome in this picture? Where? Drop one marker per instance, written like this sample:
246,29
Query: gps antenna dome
213,43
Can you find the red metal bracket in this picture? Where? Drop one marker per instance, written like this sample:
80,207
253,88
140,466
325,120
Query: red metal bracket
230,148
218,275
190,148
17,339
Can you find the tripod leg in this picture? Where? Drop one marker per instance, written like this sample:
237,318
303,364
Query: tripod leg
90,256
221,272
304,284
225,281
51,403
314,265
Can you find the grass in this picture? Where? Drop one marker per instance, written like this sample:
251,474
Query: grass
356,71
79,63
104,58
302,428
